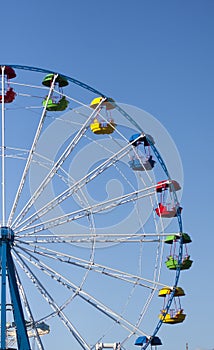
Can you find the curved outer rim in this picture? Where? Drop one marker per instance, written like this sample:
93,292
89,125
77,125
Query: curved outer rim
46,71
156,152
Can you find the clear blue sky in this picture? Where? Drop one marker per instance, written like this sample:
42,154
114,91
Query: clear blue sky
156,55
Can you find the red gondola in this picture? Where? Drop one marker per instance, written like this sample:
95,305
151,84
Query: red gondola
9,94
167,211
164,185
8,71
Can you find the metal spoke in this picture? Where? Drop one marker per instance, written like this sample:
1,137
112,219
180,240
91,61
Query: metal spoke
75,187
30,155
54,169
3,146
97,208
46,295
80,292
29,312
88,238
106,237
98,268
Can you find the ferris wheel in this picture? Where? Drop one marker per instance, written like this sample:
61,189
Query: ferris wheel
92,241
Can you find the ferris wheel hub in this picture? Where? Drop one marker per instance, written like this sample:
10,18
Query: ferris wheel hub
7,234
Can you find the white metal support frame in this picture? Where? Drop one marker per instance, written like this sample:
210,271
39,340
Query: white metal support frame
3,147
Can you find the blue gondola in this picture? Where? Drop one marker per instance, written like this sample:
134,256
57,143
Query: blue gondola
143,340
142,164
141,139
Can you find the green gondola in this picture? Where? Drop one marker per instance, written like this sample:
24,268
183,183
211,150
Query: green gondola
171,238
172,263
52,106
61,81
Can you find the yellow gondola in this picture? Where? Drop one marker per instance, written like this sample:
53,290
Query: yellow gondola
175,315
107,103
102,127
179,292
172,318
